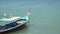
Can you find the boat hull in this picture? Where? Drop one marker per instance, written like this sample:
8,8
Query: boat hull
19,25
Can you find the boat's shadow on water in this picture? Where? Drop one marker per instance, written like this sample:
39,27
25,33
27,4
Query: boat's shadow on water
15,30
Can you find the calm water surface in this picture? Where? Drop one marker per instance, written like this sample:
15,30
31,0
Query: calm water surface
45,15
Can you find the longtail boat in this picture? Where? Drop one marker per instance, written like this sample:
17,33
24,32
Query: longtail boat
13,22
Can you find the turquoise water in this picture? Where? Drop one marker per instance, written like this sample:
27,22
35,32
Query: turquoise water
45,15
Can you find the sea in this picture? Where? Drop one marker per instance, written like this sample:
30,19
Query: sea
44,18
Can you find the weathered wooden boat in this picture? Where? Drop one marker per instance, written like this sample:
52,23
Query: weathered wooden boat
13,22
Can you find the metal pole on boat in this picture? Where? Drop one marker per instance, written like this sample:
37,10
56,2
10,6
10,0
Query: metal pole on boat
29,13
10,14
4,14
